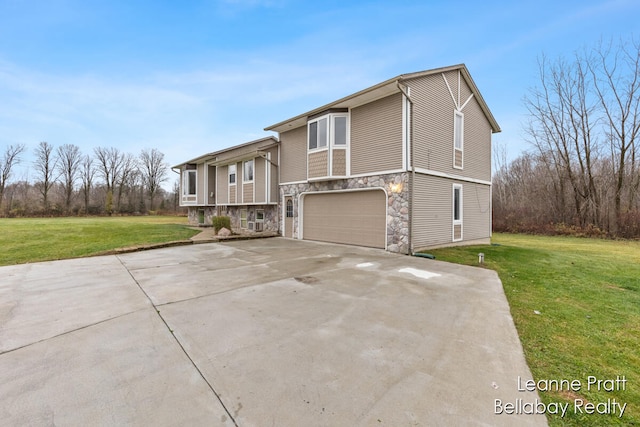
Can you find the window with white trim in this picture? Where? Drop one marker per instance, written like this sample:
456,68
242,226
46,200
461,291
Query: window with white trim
189,180
248,171
232,174
327,130
457,212
243,218
457,203
458,139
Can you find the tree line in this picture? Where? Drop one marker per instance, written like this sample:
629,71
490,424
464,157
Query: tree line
583,173
64,181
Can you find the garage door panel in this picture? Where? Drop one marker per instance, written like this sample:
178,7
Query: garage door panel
357,218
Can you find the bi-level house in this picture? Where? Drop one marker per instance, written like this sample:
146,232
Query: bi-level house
403,165
240,182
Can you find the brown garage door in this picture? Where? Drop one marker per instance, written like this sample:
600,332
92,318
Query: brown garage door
355,218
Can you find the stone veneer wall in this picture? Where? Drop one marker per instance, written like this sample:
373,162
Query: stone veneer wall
396,186
271,213
271,220
209,213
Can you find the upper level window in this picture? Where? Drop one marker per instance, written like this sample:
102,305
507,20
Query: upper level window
232,174
340,130
318,133
189,183
248,171
327,130
458,139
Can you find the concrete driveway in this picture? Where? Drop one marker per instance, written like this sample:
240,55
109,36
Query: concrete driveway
271,332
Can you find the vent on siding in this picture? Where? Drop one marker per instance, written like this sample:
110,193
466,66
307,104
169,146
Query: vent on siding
251,225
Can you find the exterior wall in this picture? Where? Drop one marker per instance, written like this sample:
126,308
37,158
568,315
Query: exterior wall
247,193
395,186
222,192
201,188
376,136
271,216
193,215
293,155
433,211
211,185
260,179
432,117
274,173
318,164
339,162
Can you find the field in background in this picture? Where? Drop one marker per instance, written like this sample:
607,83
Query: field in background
41,239
576,305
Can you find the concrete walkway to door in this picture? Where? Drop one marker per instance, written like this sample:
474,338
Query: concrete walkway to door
257,333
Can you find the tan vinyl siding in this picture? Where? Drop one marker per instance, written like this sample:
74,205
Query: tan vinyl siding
432,123
376,136
452,79
318,164
274,193
211,185
477,142
476,211
293,154
222,193
260,180
247,193
433,112
200,192
233,192
339,163
433,211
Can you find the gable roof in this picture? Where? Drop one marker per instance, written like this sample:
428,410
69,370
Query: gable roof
260,144
381,90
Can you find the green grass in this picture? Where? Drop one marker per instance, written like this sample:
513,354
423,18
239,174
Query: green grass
43,239
587,292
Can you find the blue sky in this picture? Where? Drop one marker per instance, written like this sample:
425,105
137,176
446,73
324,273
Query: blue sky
191,77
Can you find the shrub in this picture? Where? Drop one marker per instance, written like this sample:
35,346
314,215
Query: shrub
221,222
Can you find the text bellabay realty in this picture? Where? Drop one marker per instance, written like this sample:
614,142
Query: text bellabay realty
610,407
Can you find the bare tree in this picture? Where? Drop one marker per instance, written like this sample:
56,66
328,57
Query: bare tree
126,177
69,159
561,129
616,78
154,172
110,163
45,165
9,159
87,173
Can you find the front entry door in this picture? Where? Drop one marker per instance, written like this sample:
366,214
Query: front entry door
288,216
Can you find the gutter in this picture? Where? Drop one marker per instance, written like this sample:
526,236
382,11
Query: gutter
411,165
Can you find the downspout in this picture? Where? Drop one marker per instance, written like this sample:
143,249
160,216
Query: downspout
411,165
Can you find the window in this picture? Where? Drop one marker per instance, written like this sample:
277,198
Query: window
232,174
248,171
318,133
340,130
329,129
458,139
243,218
259,215
189,183
289,208
457,203
457,212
